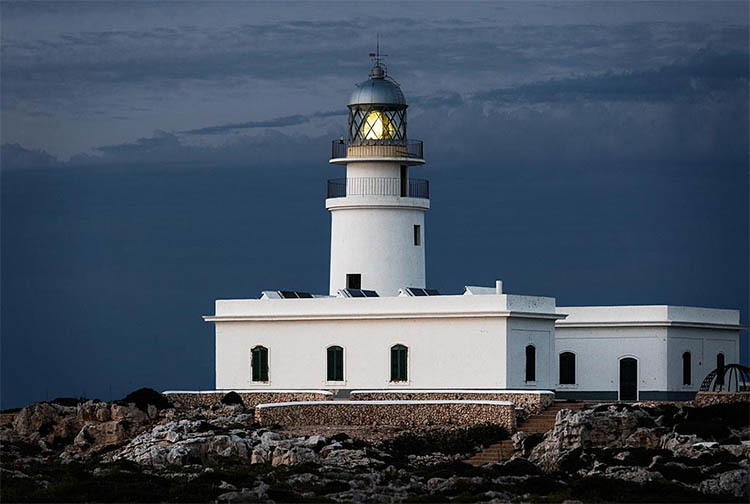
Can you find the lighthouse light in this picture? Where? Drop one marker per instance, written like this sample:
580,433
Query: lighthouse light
377,126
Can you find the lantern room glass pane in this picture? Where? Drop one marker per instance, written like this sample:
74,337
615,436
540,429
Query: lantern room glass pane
376,123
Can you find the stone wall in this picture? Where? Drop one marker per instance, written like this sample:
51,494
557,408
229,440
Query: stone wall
530,401
251,398
388,413
709,398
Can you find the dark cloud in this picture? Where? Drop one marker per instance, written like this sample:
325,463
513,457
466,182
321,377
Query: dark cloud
279,122
14,156
702,76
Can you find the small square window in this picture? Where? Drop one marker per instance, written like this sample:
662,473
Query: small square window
354,281
417,235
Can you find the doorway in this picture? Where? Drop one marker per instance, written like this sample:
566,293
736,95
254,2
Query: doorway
628,379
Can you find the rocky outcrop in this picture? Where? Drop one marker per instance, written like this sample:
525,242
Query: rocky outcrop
188,442
637,452
90,425
641,444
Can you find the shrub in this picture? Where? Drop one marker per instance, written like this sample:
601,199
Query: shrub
145,396
68,401
232,398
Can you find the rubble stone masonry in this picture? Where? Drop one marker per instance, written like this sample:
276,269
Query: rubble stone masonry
400,413
251,398
710,398
531,402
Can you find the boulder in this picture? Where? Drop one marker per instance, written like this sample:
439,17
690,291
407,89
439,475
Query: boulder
731,483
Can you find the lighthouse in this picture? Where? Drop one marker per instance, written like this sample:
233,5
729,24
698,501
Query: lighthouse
377,210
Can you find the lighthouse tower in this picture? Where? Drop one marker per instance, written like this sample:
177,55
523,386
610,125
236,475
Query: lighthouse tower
377,211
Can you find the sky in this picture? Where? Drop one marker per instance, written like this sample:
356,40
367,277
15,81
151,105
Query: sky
159,156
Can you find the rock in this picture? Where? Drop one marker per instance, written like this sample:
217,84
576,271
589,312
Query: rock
634,474
292,456
349,458
260,455
705,444
49,422
643,438
734,483
314,442
227,486
678,443
434,483
518,438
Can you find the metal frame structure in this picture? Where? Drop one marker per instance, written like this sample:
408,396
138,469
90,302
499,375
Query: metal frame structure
360,128
732,374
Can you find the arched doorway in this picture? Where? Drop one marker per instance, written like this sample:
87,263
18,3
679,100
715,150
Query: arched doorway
628,379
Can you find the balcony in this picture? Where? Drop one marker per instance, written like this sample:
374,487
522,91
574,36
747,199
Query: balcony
378,186
411,149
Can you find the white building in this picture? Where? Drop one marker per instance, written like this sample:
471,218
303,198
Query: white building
379,328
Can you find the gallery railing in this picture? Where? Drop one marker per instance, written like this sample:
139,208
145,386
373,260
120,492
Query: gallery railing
378,186
413,149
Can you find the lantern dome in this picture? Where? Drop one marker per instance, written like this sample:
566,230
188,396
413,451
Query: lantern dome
378,89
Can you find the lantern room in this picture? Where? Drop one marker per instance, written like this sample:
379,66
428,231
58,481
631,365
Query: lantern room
377,110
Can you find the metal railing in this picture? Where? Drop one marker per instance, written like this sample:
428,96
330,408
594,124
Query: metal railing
412,149
378,186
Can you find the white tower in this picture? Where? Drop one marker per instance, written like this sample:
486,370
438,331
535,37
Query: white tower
377,211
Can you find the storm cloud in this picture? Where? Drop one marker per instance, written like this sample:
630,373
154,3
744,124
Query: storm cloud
157,156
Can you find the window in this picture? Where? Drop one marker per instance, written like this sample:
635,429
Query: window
686,372
417,235
259,364
404,181
354,281
530,363
335,357
567,368
720,369
398,363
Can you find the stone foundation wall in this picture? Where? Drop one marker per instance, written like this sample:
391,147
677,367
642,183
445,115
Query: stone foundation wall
251,398
709,398
388,413
531,402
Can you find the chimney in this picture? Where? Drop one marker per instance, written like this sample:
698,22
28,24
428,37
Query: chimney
498,287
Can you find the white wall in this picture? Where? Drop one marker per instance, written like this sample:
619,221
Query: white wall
378,243
540,334
703,345
598,351
443,353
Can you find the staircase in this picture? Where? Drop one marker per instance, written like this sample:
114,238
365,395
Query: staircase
535,424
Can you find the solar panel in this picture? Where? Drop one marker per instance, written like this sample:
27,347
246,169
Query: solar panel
418,291
294,294
358,293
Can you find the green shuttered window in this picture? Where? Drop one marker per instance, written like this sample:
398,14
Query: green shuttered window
398,363
259,364
335,357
